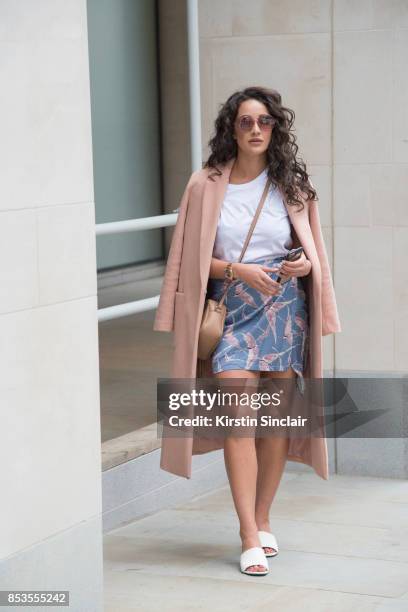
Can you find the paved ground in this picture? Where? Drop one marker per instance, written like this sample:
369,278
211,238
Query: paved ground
343,547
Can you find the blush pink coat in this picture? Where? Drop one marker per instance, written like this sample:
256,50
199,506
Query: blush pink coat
183,295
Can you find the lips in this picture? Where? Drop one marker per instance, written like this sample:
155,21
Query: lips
255,140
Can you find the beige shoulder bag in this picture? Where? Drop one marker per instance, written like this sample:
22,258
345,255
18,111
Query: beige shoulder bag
212,324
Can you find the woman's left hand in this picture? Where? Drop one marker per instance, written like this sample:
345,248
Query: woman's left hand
300,267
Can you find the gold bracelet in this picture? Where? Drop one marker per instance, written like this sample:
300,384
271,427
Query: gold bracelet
229,272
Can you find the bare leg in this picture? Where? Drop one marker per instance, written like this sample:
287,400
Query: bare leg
242,468
272,454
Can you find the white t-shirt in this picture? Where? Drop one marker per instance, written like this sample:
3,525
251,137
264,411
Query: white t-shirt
271,235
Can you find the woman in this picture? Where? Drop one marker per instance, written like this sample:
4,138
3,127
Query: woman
252,142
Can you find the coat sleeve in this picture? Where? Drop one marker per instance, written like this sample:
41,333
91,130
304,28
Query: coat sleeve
164,319
331,321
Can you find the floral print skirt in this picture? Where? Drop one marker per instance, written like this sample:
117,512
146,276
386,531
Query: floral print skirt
263,332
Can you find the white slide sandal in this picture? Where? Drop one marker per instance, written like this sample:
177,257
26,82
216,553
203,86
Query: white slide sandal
254,556
268,540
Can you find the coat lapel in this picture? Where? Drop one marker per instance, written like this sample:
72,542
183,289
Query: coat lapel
213,197
300,222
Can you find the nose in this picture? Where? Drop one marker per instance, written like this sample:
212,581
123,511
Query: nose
255,129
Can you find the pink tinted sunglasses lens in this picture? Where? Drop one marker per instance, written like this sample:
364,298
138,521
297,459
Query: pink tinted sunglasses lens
264,122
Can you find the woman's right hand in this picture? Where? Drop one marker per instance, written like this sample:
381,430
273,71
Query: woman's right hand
255,275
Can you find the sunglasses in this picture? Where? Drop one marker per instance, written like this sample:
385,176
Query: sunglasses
265,122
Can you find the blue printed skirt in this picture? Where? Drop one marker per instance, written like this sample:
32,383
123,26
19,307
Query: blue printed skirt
263,332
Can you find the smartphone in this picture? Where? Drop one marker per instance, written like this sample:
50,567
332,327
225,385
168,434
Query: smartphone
292,255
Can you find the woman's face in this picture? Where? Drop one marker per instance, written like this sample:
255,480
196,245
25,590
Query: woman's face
246,139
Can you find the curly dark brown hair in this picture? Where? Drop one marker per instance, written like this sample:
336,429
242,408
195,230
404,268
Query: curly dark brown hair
284,168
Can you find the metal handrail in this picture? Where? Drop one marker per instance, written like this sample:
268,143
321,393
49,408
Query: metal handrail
132,225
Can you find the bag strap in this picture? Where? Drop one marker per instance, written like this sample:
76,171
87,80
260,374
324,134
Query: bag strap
251,229
255,219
